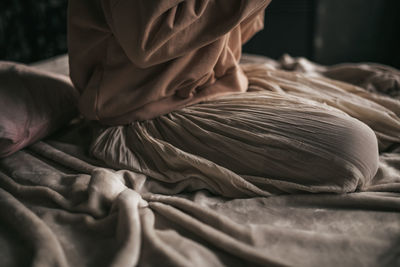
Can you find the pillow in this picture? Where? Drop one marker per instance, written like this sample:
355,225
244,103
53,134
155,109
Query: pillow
33,104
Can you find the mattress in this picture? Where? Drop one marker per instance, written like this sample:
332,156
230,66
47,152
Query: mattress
61,206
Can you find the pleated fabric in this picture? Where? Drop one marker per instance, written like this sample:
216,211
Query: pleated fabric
378,111
291,132
277,145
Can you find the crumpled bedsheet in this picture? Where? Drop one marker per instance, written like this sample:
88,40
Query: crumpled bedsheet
62,206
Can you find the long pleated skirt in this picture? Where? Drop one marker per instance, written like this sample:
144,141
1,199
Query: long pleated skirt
291,132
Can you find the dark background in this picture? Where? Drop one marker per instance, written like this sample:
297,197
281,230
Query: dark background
332,31
326,31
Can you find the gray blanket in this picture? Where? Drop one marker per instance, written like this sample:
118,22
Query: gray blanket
60,206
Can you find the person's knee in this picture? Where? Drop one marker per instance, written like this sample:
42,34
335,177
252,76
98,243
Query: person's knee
359,149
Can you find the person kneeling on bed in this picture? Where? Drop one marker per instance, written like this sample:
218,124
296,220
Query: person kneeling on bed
172,67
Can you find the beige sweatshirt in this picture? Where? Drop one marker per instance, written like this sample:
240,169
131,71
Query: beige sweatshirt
138,59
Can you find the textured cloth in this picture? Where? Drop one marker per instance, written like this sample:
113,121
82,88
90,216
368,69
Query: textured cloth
59,206
294,132
380,109
248,144
135,60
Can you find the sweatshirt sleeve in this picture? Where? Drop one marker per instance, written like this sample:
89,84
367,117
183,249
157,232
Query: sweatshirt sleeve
251,25
152,31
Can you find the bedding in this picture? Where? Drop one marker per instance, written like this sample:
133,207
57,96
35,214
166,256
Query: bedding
33,104
62,206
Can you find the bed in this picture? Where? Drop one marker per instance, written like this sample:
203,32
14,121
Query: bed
60,206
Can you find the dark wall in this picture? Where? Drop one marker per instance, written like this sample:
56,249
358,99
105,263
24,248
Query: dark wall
358,30
331,31
288,28
326,31
31,30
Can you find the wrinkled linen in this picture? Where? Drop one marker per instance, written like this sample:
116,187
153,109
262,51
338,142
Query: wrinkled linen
61,206
133,60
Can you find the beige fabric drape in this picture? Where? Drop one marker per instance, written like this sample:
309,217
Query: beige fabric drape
248,144
293,132
61,207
